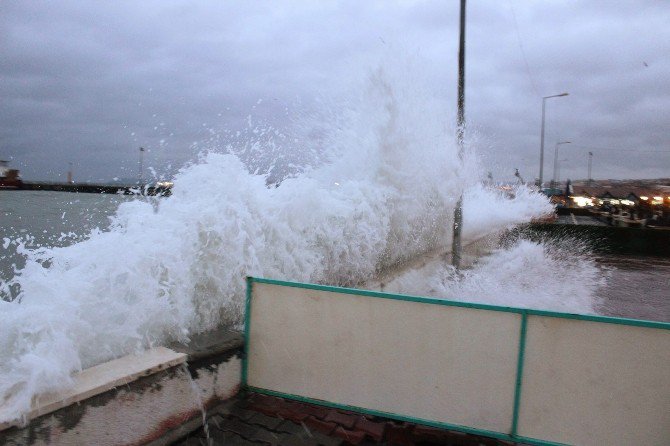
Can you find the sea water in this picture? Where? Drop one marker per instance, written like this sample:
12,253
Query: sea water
34,219
334,199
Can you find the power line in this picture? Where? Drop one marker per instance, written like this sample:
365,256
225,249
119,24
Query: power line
523,52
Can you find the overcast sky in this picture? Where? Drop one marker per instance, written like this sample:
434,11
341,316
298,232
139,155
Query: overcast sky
90,82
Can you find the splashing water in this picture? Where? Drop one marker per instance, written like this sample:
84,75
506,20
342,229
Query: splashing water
163,272
198,399
547,276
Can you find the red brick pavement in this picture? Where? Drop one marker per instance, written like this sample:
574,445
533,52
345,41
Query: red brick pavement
254,418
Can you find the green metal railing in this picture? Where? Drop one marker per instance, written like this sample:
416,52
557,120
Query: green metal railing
523,312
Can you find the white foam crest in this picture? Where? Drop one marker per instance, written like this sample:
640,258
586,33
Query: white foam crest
508,208
528,275
167,270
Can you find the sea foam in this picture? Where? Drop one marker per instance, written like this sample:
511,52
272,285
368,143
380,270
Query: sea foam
383,192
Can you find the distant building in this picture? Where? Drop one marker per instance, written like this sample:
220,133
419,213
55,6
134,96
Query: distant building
9,178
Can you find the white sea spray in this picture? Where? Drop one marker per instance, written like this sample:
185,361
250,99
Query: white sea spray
528,274
165,271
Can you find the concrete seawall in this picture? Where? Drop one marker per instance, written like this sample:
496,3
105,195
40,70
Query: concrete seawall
450,371
152,398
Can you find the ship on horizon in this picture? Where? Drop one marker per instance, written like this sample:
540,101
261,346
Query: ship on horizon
9,178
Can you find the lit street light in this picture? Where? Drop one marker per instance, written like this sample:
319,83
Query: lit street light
555,178
544,100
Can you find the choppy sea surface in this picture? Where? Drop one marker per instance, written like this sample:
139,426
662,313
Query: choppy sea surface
44,218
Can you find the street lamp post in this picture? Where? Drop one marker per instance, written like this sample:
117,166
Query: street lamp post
558,169
140,167
590,161
555,178
544,100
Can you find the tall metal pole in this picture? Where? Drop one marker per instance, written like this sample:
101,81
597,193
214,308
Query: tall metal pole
558,171
458,212
544,100
555,178
590,161
539,182
139,174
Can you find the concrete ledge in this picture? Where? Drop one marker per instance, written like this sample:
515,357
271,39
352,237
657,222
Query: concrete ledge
101,378
152,398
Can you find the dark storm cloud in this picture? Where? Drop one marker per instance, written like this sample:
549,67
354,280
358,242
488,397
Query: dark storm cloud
90,83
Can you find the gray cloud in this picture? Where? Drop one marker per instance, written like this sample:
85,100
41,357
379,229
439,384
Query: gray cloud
89,84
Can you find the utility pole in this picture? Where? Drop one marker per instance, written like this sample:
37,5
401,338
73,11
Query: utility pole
140,171
590,161
69,174
458,212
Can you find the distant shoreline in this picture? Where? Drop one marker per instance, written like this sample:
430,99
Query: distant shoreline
120,189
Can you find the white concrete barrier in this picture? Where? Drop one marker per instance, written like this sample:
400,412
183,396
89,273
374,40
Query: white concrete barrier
594,383
521,375
149,398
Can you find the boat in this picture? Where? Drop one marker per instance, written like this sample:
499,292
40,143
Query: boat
9,178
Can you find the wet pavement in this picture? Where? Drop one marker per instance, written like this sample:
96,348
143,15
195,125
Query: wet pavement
256,419
637,287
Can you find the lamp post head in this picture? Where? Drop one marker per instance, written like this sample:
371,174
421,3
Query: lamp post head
556,95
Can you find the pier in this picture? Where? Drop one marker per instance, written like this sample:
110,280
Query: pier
160,189
599,234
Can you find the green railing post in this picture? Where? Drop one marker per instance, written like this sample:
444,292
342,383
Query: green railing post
519,373
247,320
